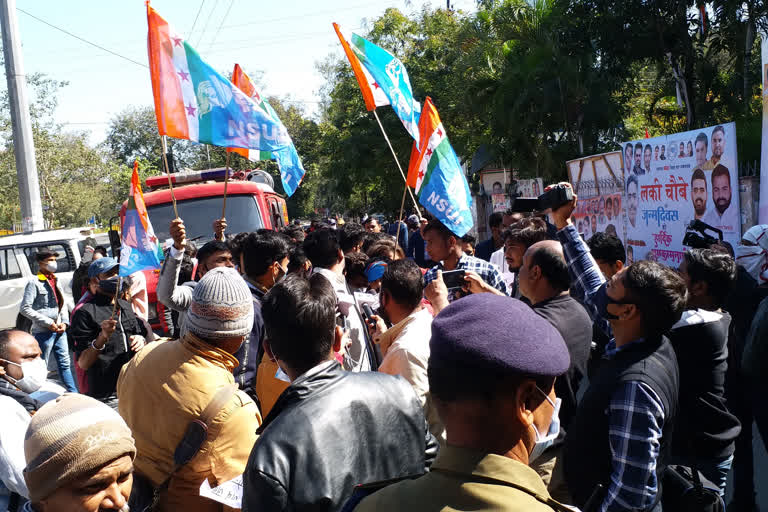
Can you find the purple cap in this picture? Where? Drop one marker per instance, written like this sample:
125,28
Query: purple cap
499,335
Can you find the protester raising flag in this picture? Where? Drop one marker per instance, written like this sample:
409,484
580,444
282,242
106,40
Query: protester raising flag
389,74
139,250
195,102
437,175
245,84
373,94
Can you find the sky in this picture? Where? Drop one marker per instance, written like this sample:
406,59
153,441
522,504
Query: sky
283,39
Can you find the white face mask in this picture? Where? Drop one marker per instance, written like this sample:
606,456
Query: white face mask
754,259
35,373
544,442
51,266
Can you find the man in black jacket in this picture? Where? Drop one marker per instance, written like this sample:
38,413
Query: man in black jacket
331,429
705,430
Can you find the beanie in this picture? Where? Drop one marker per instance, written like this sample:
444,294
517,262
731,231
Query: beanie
70,437
222,306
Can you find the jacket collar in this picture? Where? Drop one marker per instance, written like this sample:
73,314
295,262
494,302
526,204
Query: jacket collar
312,381
209,352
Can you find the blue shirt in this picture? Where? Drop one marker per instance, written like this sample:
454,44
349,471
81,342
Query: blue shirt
635,412
488,272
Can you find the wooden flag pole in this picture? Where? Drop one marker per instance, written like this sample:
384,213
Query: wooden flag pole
117,294
168,173
415,204
226,182
400,219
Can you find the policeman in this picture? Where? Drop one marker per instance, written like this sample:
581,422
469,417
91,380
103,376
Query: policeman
495,394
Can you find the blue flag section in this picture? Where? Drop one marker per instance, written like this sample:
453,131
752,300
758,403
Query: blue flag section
391,76
139,249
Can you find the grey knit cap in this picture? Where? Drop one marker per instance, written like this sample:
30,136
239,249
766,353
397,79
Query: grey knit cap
222,306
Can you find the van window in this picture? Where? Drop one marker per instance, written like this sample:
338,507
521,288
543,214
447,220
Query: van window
65,261
9,267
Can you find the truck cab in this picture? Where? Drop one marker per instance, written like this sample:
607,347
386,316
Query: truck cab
252,204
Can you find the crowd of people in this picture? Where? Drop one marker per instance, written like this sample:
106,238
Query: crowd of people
352,366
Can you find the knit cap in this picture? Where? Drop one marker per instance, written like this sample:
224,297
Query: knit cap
222,306
69,437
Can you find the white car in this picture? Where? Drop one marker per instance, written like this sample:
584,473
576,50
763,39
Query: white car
18,265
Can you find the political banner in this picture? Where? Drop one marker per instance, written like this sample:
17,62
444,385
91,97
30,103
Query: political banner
599,182
674,179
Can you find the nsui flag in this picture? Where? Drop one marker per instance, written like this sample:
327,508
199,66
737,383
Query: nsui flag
139,250
195,102
438,177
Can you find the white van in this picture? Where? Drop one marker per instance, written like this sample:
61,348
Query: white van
18,265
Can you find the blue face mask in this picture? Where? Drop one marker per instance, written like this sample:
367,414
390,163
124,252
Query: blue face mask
601,301
545,441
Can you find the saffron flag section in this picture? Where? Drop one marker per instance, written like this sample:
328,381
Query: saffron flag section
373,94
139,248
440,182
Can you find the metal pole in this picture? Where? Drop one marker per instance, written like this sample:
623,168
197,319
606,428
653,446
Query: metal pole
23,143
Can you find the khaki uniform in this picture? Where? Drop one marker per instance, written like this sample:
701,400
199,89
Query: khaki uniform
462,479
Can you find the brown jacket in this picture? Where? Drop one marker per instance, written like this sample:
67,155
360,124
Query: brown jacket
165,387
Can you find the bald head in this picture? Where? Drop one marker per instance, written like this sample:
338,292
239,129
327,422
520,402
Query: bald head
544,273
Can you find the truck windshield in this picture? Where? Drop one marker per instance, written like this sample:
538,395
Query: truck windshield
198,215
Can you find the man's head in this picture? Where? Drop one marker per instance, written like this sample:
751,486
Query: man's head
102,275
468,244
440,241
322,248
401,290
354,266
632,199
264,257
46,261
212,255
519,237
351,237
699,191
79,456
647,157
300,322
20,358
709,276
594,224
638,154
644,299
221,312
628,156
99,252
656,153
374,271
494,222
510,217
718,142
616,206
682,149
701,149
609,208
502,401
372,225
663,150
608,252
295,233
721,185
544,273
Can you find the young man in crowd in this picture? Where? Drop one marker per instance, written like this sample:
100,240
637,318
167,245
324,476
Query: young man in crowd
498,405
705,430
621,433
468,244
499,257
517,239
43,303
106,332
79,456
300,466
405,344
371,225
417,247
178,381
351,237
485,248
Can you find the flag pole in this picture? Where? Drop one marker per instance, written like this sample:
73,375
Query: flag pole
226,182
168,173
415,204
400,219
117,294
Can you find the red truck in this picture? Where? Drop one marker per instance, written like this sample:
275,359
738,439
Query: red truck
252,204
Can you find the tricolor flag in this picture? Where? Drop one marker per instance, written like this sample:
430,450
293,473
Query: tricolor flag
139,250
373,94
245,84
437,175
390,74
195,102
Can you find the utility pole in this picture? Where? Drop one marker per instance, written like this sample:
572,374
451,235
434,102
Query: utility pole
23,144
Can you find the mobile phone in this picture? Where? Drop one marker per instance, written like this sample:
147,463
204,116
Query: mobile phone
453,279
367,312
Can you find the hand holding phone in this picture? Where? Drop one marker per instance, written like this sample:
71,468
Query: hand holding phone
453,279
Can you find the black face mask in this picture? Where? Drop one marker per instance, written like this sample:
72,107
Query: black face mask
601,301
108,286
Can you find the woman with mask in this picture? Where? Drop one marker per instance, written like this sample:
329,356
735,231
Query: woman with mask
106,331
43,303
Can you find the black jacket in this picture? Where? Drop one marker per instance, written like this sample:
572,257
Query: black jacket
331,430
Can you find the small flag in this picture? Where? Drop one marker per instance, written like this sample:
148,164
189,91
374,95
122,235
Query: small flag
373,94
139,249
438,177
390,74
647,136
193,101
245,84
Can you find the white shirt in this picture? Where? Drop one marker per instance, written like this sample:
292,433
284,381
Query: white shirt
12,461
727,222
499,259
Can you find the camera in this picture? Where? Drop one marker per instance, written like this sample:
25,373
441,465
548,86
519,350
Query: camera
555,197
696,236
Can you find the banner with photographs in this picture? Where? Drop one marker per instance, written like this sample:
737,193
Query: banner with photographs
599,182
674,179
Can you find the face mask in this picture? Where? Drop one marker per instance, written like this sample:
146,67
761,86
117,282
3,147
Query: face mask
51,266
544,442
601,301
753,259
108,286
35,373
